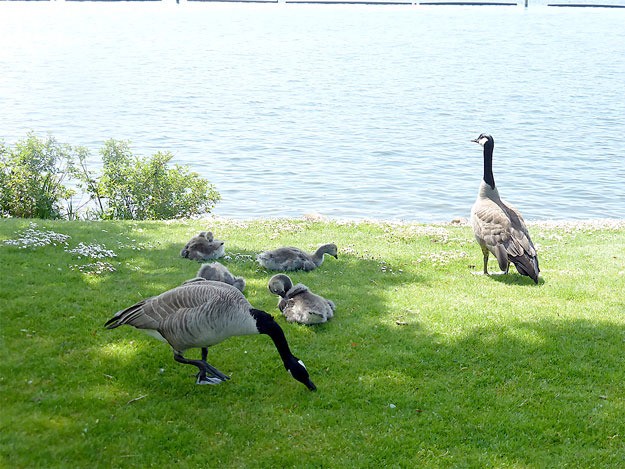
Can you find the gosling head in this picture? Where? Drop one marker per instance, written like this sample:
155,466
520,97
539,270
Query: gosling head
280,284
208,235
298,370
484,140
331,249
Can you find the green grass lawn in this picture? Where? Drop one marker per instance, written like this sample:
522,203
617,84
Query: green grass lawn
424,364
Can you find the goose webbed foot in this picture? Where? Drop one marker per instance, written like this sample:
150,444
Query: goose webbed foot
211,375
208,380
207,374
213,371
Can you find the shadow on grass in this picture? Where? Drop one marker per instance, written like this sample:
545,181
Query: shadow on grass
515,278
523,392
465,391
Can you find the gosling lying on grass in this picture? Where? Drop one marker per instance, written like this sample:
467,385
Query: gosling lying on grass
203,247
220,273
298,303
289,258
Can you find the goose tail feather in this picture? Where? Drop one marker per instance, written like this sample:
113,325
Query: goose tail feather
527,265
133,316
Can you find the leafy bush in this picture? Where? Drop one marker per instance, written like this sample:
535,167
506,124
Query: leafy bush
145,189
32,175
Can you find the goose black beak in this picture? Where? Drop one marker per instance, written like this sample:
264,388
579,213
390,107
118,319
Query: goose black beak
475,140
310,385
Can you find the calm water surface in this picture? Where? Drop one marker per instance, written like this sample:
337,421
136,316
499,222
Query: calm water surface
346,111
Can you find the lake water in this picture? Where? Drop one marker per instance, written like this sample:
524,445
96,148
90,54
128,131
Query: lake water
348,111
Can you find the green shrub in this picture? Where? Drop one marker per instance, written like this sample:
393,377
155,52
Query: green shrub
32,175
131,188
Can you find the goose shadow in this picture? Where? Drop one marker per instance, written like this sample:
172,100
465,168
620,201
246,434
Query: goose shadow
514,278
362,292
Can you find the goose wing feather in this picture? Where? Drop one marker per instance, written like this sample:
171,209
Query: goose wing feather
501,229
195,314
524,258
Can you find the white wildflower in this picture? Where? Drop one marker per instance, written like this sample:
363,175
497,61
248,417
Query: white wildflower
137,246
93,251
443,257
95,268
33,237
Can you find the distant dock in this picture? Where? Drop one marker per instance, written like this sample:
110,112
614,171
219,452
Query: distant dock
479,4
369,2
584,5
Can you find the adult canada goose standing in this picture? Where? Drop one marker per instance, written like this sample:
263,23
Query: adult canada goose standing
203,247
298,303
498,227
201,313
290,258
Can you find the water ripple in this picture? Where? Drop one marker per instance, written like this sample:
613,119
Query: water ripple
354,112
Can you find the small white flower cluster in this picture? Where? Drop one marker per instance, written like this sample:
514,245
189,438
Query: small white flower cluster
33,237
349,249
93,251
386,269
242,257
97,267
137,246
569,227
281,226
443,258
437,234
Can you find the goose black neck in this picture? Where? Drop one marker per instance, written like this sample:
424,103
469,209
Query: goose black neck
488,164
267,325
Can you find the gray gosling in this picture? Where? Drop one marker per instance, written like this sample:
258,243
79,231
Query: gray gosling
220,273
203,247
298,303
289,258
202,313
499,228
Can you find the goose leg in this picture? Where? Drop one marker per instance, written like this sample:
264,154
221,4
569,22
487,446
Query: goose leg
486,263
216,372
211,368
485,253
207,374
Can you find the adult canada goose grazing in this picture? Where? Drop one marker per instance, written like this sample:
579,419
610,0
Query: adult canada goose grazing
203,247
201,313
220,273
290,258
298,303
498,227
